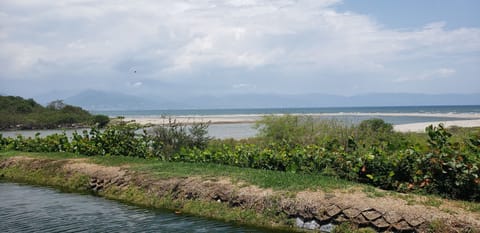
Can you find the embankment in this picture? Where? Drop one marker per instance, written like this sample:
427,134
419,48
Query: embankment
223,199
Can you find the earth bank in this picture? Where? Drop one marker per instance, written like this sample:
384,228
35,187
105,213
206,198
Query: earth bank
309,209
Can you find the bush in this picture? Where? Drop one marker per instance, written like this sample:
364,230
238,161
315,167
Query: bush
100,120
287,129
377,134
120,139
168,139
303,130
375,125
448,171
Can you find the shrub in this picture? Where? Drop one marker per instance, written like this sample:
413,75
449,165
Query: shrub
286,129
100,120
303,130
448,171
168,139
119,139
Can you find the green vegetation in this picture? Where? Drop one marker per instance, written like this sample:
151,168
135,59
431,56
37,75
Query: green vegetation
162,169
19,113
49,176
439,162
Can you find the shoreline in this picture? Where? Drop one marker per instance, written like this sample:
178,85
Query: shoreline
460,120
253,116
451,119
420,127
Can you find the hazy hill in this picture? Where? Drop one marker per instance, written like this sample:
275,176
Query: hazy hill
98,100
408,99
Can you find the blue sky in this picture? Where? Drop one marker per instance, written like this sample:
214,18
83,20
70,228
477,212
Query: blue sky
188,48
413,13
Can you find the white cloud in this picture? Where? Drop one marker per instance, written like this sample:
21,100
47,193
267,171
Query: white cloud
173,40
243,86
445,72
78,44
429,75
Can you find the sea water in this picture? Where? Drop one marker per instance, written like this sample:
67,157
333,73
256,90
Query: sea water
263,111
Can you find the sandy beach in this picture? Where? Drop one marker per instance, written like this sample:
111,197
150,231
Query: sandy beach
420,127
217,119
467,119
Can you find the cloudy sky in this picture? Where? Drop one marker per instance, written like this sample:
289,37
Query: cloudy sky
195,47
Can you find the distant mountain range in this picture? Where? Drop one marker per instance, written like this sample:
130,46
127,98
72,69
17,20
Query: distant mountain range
99,100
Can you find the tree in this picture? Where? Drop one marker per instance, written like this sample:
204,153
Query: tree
101,120
56,105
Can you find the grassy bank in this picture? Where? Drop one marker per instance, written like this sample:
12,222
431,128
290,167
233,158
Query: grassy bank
52,175
288,184
161,169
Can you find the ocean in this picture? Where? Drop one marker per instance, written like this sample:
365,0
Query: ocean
263,111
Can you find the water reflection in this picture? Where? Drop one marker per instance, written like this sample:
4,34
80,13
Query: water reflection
221,131
36,209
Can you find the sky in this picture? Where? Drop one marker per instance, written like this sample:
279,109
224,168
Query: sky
212,47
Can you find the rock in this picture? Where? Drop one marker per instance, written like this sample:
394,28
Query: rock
392,217
299,222
351,212
414,221
114,180
341,218
380,223
311,225
327,228
360,220
402,226
372,215
333,210
321,215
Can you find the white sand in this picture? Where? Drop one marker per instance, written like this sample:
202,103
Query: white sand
473,119
195,119
420,127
